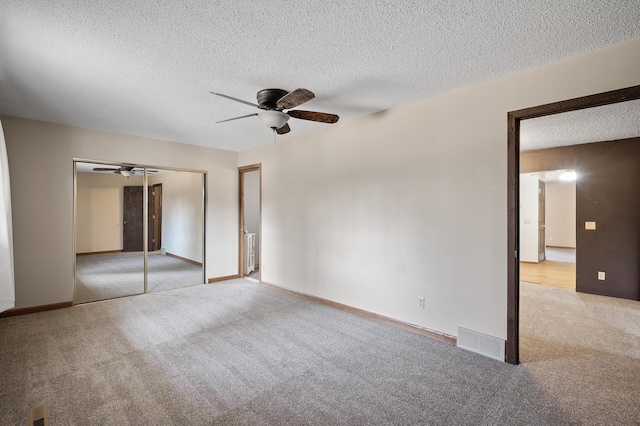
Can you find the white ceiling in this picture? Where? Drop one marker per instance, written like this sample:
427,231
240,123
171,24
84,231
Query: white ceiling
605,123
146,67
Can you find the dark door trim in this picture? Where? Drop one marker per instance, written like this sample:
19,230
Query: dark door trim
513,194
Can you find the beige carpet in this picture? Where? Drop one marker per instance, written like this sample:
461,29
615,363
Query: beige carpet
584,350
237,353
112,275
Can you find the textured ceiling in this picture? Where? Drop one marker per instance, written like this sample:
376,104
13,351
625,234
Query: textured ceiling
605,123
146,67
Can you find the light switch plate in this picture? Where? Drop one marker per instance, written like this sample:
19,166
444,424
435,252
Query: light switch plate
591,226
601,275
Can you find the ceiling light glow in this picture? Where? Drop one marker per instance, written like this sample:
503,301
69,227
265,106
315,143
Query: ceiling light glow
568,176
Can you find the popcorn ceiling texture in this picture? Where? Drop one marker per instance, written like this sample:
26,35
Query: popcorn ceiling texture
146,67
605,123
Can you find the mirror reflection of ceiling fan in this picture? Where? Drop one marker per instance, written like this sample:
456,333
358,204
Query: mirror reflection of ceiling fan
125,171
276,109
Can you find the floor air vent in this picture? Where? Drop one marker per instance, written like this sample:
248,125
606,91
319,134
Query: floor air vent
481,343
39,416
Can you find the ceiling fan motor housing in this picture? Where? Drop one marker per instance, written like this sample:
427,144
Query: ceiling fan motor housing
267,98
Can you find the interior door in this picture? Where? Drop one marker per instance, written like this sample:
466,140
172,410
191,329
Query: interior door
155,217
541,221
132,223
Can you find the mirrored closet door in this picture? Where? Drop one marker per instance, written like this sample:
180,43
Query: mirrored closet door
176,216
137,230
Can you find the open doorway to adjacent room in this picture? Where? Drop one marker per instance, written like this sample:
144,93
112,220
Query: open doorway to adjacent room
600,141
548,228
250,221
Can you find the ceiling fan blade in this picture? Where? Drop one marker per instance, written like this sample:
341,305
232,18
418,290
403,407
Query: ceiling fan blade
284,129
235,99
103,169
321,117
295,98
237,118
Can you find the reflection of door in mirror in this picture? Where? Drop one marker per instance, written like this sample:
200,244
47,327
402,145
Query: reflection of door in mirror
155,217
132,224
132,218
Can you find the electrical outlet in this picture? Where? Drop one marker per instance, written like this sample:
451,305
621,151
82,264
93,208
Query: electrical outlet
601,275
421,302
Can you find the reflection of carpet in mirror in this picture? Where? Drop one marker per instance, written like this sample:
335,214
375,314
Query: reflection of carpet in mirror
111,275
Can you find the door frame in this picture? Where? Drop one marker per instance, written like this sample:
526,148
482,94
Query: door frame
542,201
241,172
513,195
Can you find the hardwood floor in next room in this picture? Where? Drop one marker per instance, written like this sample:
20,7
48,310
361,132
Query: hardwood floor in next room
559,270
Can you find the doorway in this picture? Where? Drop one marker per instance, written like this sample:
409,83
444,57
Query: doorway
250,214
513,196
548,253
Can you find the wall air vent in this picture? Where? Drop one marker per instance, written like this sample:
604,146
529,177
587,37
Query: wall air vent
39,416
481,343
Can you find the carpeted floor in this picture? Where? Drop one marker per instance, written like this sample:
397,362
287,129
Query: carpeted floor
111,275
237,353
585,350
255,275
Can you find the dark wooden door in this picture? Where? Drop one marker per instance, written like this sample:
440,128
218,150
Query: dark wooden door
132,223
155,217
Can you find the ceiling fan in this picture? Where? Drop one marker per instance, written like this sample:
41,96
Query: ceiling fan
274,103
126,171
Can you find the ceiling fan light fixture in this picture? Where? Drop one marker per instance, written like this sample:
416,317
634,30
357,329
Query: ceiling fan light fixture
127,173
273,119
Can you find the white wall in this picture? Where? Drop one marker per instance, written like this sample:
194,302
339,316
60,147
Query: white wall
252,207
412,201
560,214
181,213
41,168
529,218
100,198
